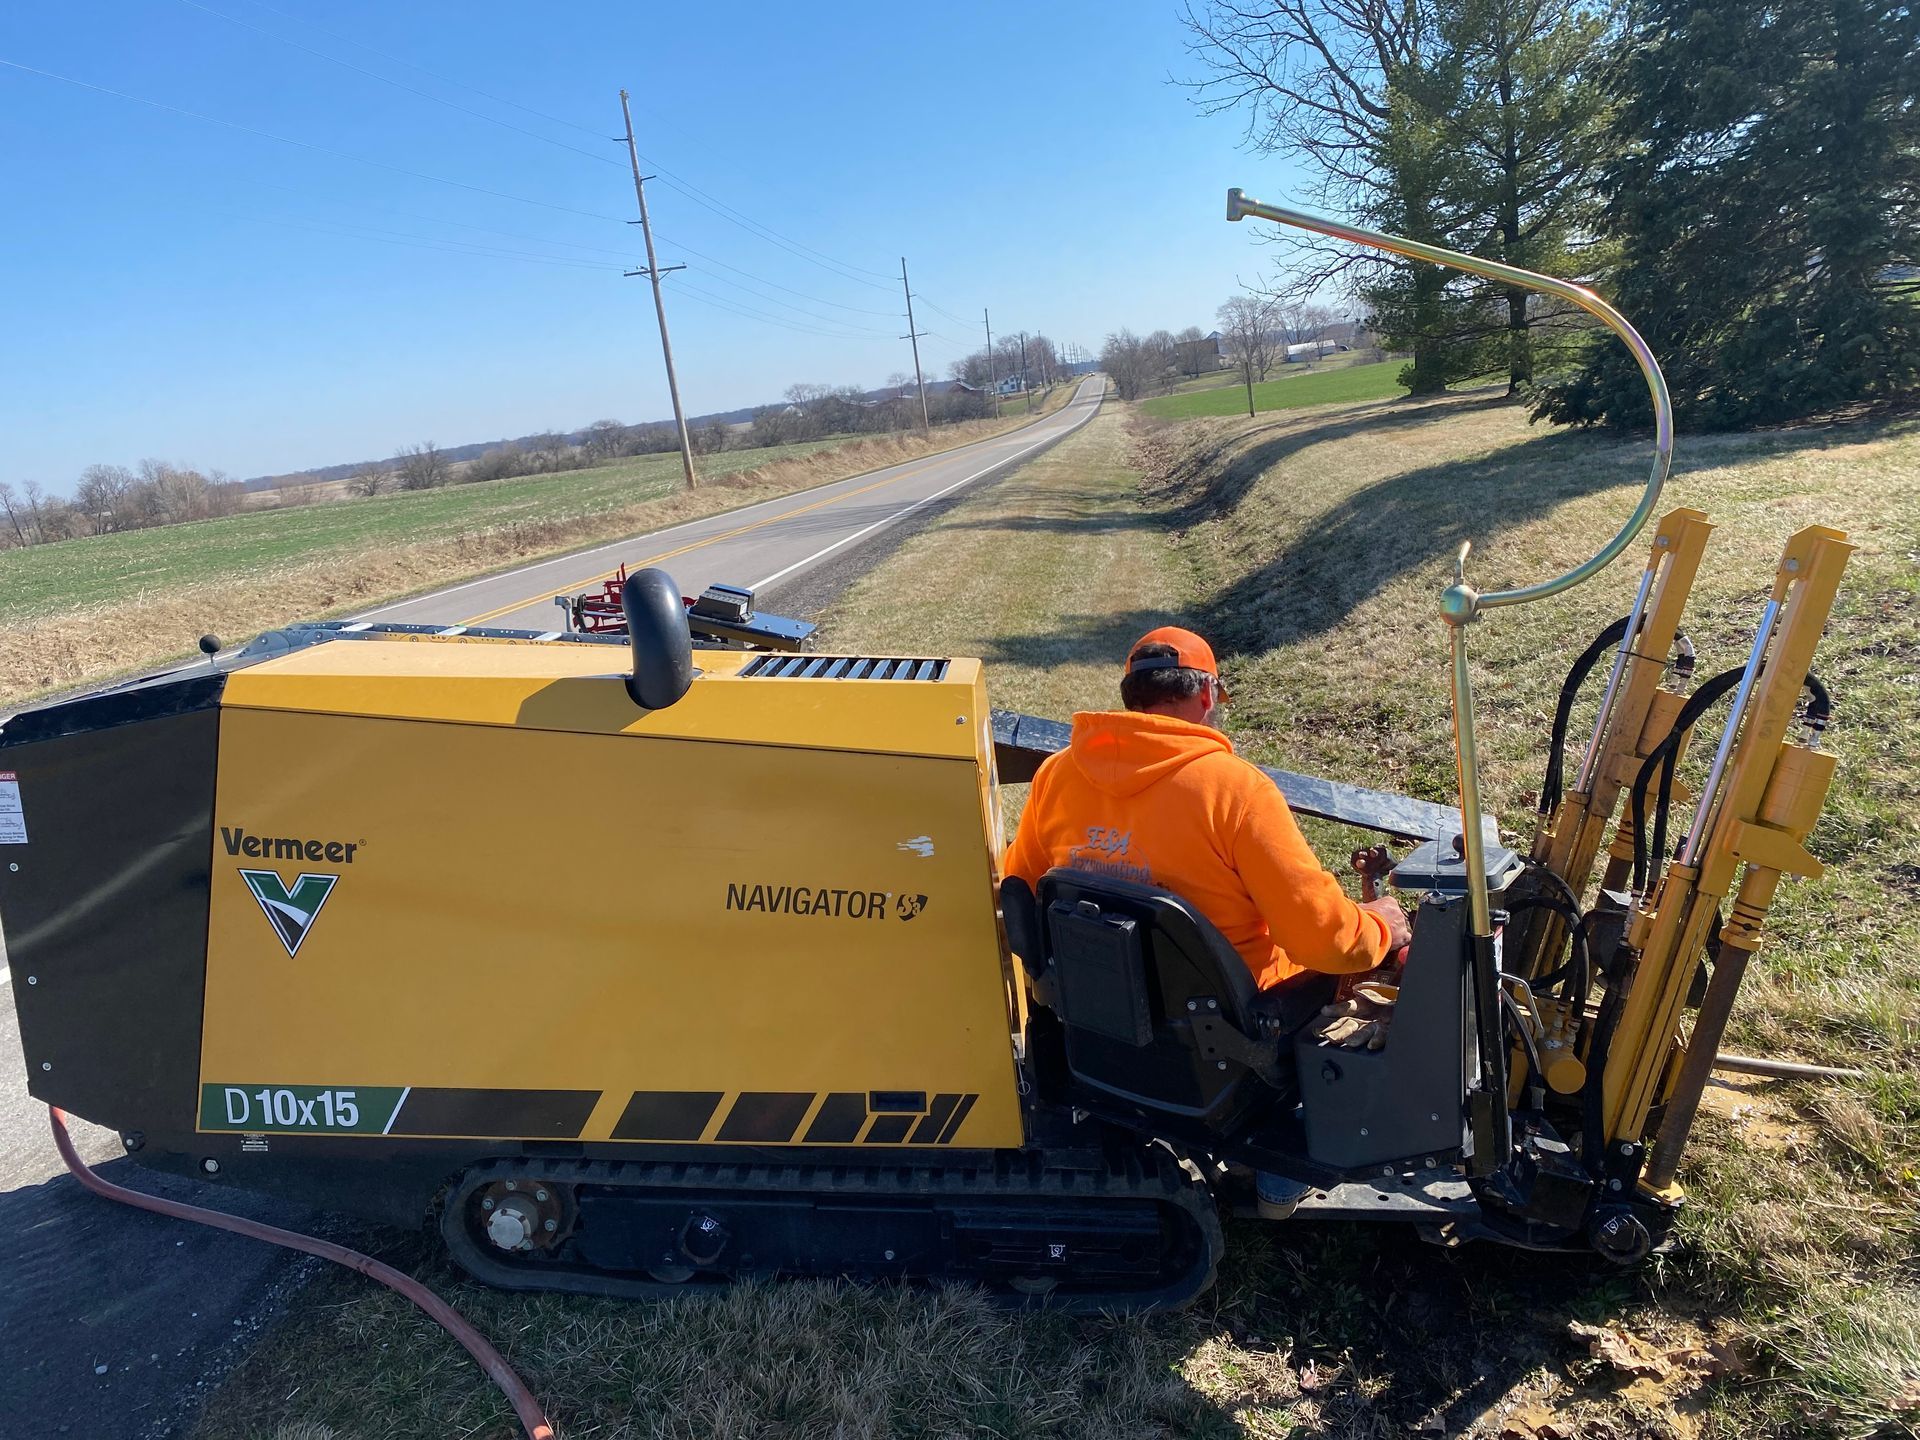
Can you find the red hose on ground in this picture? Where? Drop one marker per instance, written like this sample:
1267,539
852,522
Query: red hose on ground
532,1417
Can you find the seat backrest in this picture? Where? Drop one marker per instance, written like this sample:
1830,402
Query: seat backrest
1154,1003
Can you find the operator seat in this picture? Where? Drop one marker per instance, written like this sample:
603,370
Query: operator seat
1159,1013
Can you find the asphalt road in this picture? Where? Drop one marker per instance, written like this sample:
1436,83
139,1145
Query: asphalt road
760,546
112,1322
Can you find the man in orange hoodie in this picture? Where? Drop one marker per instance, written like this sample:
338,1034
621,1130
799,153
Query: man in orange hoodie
1154,794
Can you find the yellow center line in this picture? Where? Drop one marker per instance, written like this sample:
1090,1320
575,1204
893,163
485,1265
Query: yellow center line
682,550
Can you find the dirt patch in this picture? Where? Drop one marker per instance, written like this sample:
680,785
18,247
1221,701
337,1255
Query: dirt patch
1753,1111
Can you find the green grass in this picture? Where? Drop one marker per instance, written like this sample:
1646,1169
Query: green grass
1349,383
47,579
1214,379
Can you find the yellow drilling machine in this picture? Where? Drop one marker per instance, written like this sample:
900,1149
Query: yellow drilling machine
648,961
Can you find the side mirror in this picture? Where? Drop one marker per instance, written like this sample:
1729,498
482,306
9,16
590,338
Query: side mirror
662,644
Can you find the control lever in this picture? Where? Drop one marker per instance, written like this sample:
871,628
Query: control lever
1373,864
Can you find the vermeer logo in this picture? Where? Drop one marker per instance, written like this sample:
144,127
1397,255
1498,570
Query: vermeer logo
291,912
287,847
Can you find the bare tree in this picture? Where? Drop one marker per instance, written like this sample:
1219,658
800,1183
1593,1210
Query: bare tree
10,505
502,462
549,450
368,480
420,467
1246,334
1165,356
224,494
101,498
1192,346
1300,321
1128,362
1344,85
59,521
1043,361
603,440
37,500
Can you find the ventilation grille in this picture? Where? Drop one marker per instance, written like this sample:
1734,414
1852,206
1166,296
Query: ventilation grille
841,667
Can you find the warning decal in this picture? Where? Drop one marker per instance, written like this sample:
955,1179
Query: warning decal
13,820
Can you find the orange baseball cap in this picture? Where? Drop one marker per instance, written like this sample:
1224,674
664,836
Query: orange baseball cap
1190,652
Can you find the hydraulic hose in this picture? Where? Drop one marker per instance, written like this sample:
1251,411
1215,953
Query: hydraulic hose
1558,881
532,1418
1553,786
1819,708
1577,958
1665,756
1662,757
1593,1092
1536,1074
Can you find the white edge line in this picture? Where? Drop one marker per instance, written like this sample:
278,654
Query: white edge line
6,975
908,510
405,1091
577,555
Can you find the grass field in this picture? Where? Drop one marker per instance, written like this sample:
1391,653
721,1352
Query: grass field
1311,546
1214,379
46,579
1286,391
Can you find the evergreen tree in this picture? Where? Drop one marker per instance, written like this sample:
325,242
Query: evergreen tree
1766,210
1529,120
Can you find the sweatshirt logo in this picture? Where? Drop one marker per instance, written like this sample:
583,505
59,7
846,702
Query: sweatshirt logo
1107,852
291,912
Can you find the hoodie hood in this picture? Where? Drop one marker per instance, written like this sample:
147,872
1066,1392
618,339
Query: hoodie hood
1124,751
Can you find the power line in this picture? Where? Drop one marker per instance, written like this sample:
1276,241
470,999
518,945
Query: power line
346,231
847,325
676,181
435,74
772,237
719,302
630,259
386,80
352,230
941,311
816,299
850,327
307,144
625,255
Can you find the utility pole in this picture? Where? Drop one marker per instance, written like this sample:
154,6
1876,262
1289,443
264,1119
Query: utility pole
993,383
653,272
1023,372
914,335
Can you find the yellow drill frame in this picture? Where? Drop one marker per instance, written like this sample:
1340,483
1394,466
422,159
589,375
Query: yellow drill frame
1756,809
1631,722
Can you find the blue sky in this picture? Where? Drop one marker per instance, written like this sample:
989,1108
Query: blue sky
190,291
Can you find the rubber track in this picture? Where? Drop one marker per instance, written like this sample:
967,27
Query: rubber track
1152,1175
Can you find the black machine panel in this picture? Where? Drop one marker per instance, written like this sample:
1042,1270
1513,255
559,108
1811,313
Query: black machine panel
106,902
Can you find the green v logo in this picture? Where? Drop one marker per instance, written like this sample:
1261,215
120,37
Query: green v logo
292,911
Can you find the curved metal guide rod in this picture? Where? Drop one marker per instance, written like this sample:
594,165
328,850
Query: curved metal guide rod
1461,602
1239,204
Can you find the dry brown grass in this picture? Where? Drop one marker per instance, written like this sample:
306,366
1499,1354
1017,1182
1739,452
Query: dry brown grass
61,651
